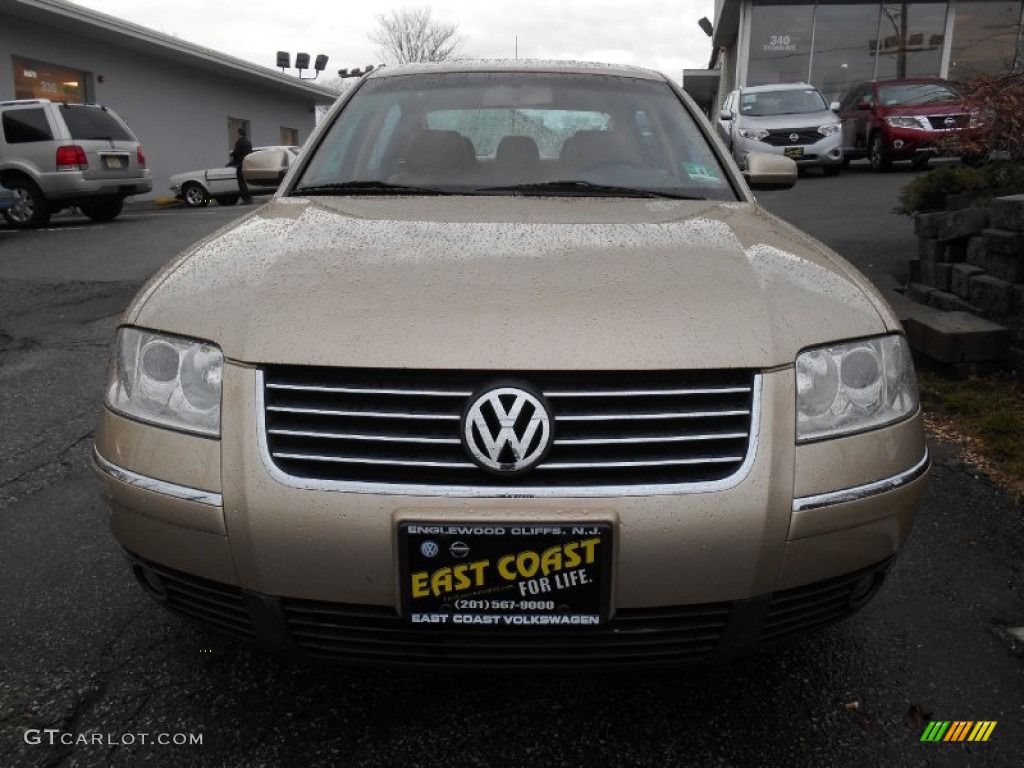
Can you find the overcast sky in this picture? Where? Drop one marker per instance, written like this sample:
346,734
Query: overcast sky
659,34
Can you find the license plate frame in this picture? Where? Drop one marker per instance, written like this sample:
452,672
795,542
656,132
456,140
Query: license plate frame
116,162
457,574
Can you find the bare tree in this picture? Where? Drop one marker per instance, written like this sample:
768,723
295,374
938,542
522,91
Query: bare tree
411,35
337,84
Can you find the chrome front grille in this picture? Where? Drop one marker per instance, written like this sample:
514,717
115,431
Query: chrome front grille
397,429
781,138
938,122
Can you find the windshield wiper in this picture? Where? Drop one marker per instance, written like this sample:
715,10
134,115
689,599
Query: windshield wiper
587,188
367,187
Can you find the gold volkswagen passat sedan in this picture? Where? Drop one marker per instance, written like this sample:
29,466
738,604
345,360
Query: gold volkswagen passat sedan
513,370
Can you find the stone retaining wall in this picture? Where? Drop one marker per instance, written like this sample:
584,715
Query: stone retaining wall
972,261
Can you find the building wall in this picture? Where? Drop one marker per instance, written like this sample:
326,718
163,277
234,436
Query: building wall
179,113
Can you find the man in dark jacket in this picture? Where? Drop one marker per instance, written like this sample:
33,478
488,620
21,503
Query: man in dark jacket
242,148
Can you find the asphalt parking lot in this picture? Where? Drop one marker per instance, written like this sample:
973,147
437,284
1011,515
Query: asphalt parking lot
92,672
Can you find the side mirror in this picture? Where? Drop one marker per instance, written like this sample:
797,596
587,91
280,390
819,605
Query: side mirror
266,167
834,106
767,171
725,114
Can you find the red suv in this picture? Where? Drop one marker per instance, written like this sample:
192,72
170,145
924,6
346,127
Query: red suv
901,120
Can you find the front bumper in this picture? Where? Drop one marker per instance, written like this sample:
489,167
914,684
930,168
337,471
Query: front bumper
822,517
826,152
368,634
906,143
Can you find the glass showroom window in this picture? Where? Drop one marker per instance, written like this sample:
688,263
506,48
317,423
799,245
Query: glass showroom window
835,45
844,47
910,37
985,38
780,43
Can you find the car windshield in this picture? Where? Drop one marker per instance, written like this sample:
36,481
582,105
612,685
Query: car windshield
916,93
502,133
785,102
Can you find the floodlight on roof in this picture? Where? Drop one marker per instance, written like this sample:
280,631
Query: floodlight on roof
302,63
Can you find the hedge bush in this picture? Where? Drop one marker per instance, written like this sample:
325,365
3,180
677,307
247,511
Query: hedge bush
951,188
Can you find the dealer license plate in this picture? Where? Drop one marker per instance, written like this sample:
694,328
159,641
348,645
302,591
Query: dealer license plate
793,151
505,575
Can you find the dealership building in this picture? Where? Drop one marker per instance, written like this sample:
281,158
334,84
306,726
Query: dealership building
835,45
183,101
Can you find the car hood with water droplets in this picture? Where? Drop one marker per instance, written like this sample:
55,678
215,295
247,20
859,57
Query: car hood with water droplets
511,284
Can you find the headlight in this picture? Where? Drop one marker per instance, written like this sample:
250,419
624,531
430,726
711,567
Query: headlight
853,387
753,133
903,122
829,130
980,118
166,380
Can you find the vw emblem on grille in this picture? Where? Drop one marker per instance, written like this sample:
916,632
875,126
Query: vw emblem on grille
507,429
794,137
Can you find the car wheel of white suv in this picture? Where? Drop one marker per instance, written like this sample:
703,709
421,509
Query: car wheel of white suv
31,208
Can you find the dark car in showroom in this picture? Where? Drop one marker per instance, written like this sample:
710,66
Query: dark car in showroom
908,119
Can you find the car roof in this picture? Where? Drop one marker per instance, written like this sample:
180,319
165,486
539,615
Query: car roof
772,87
907,81
29,102
518,65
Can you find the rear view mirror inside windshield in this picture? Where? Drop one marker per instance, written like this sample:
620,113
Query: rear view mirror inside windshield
526,95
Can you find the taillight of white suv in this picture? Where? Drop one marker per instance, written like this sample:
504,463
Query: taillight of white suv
71,158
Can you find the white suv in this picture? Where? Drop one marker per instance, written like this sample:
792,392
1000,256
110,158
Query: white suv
791,119
55,155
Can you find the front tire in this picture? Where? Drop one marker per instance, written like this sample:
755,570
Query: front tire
194,195
879,155
103,209
226,199
31,208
